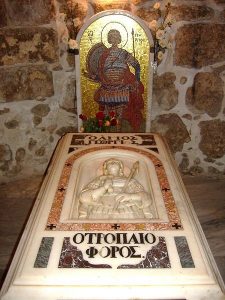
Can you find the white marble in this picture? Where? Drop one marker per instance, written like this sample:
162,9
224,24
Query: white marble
101,257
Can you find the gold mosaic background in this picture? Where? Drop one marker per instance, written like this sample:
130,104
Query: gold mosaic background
96,33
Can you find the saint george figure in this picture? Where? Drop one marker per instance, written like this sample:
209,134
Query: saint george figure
114,196
120,90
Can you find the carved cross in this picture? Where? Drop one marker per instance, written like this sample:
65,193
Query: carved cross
116,226
176,225
51,226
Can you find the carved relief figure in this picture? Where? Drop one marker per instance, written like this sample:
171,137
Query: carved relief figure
115,196
120,90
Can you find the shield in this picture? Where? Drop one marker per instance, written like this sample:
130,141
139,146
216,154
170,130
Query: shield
92,62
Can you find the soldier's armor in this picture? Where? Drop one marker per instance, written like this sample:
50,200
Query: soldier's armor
110,71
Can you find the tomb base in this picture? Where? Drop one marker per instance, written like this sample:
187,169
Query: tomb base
112,221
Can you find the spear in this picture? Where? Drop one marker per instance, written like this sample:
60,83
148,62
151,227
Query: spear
132,172
136,88
132,32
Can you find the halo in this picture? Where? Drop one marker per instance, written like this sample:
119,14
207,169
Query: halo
114,25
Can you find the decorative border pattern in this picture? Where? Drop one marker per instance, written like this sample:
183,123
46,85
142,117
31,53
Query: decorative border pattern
54,223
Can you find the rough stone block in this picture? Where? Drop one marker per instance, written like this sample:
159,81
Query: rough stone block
4,111
191,12
187,116
5,152
99,6
219,2
24,12
11,124
25,83
62,130
75,7
138,2
206,94
223,14
69,99
147,14
20,154
199,45
32,143
28,45
173,129
41,110
70,60
184,164
164,91
75,13
212,142
5,157
3,18
40,151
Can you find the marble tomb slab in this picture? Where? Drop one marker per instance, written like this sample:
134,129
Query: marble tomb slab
112,221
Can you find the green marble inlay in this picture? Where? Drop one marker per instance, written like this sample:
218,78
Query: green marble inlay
44,252
184,252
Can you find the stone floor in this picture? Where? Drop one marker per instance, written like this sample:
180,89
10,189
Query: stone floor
207,196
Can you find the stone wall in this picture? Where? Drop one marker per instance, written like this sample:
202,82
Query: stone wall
37,87
37,82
